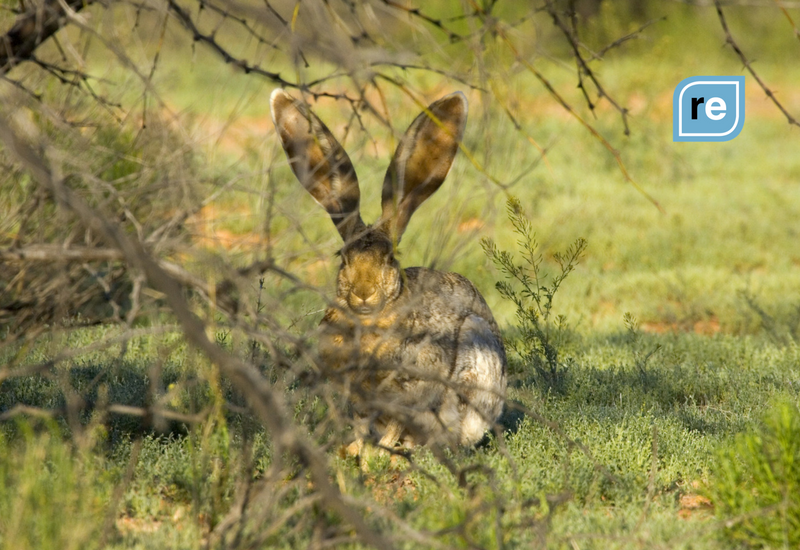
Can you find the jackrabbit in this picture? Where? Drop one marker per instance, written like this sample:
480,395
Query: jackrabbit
421,349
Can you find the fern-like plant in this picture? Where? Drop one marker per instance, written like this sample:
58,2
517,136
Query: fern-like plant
532,292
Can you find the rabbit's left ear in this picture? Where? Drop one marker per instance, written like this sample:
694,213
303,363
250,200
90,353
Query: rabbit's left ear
422,160
318,161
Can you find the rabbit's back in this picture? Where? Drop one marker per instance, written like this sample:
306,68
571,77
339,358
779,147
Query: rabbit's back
454,318
436,350
439,300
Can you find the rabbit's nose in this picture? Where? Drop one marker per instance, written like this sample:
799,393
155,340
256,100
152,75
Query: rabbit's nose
364,293
364,301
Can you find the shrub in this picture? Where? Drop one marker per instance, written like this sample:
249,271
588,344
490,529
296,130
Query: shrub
51,494
756,487
526,285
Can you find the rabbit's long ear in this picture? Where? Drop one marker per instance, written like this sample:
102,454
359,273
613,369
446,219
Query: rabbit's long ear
422,160
318,161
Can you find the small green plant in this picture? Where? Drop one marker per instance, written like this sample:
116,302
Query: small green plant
527,287
51,493
640,356
756,486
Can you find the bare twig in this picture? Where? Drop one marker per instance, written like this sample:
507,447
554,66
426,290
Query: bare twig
56,253
583,67
782,6
416,12
632,36
210,39
563,102
32,28
748,65
265,400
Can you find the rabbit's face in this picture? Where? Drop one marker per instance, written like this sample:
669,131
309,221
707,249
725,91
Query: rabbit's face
369,276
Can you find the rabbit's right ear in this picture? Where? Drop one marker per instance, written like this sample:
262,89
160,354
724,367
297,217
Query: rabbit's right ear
422,160
318,161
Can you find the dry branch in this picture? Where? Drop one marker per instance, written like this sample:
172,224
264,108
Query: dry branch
749,66
56,253
583,66
38,23
265,400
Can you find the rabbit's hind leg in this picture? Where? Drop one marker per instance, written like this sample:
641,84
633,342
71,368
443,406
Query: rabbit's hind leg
360,433
480,376
391,435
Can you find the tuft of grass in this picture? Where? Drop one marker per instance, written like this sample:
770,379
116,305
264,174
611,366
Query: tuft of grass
756,483
53,495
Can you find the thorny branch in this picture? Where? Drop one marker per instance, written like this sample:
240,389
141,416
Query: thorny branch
583,67
32,28
264,399
748,65
210,40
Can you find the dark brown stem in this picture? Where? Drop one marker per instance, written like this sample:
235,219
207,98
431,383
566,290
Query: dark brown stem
748,65
265,400
32,28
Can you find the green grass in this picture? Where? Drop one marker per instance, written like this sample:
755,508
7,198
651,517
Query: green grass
758,482
692,396
695,401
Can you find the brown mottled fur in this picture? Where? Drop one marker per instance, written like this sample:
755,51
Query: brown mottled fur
423,353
